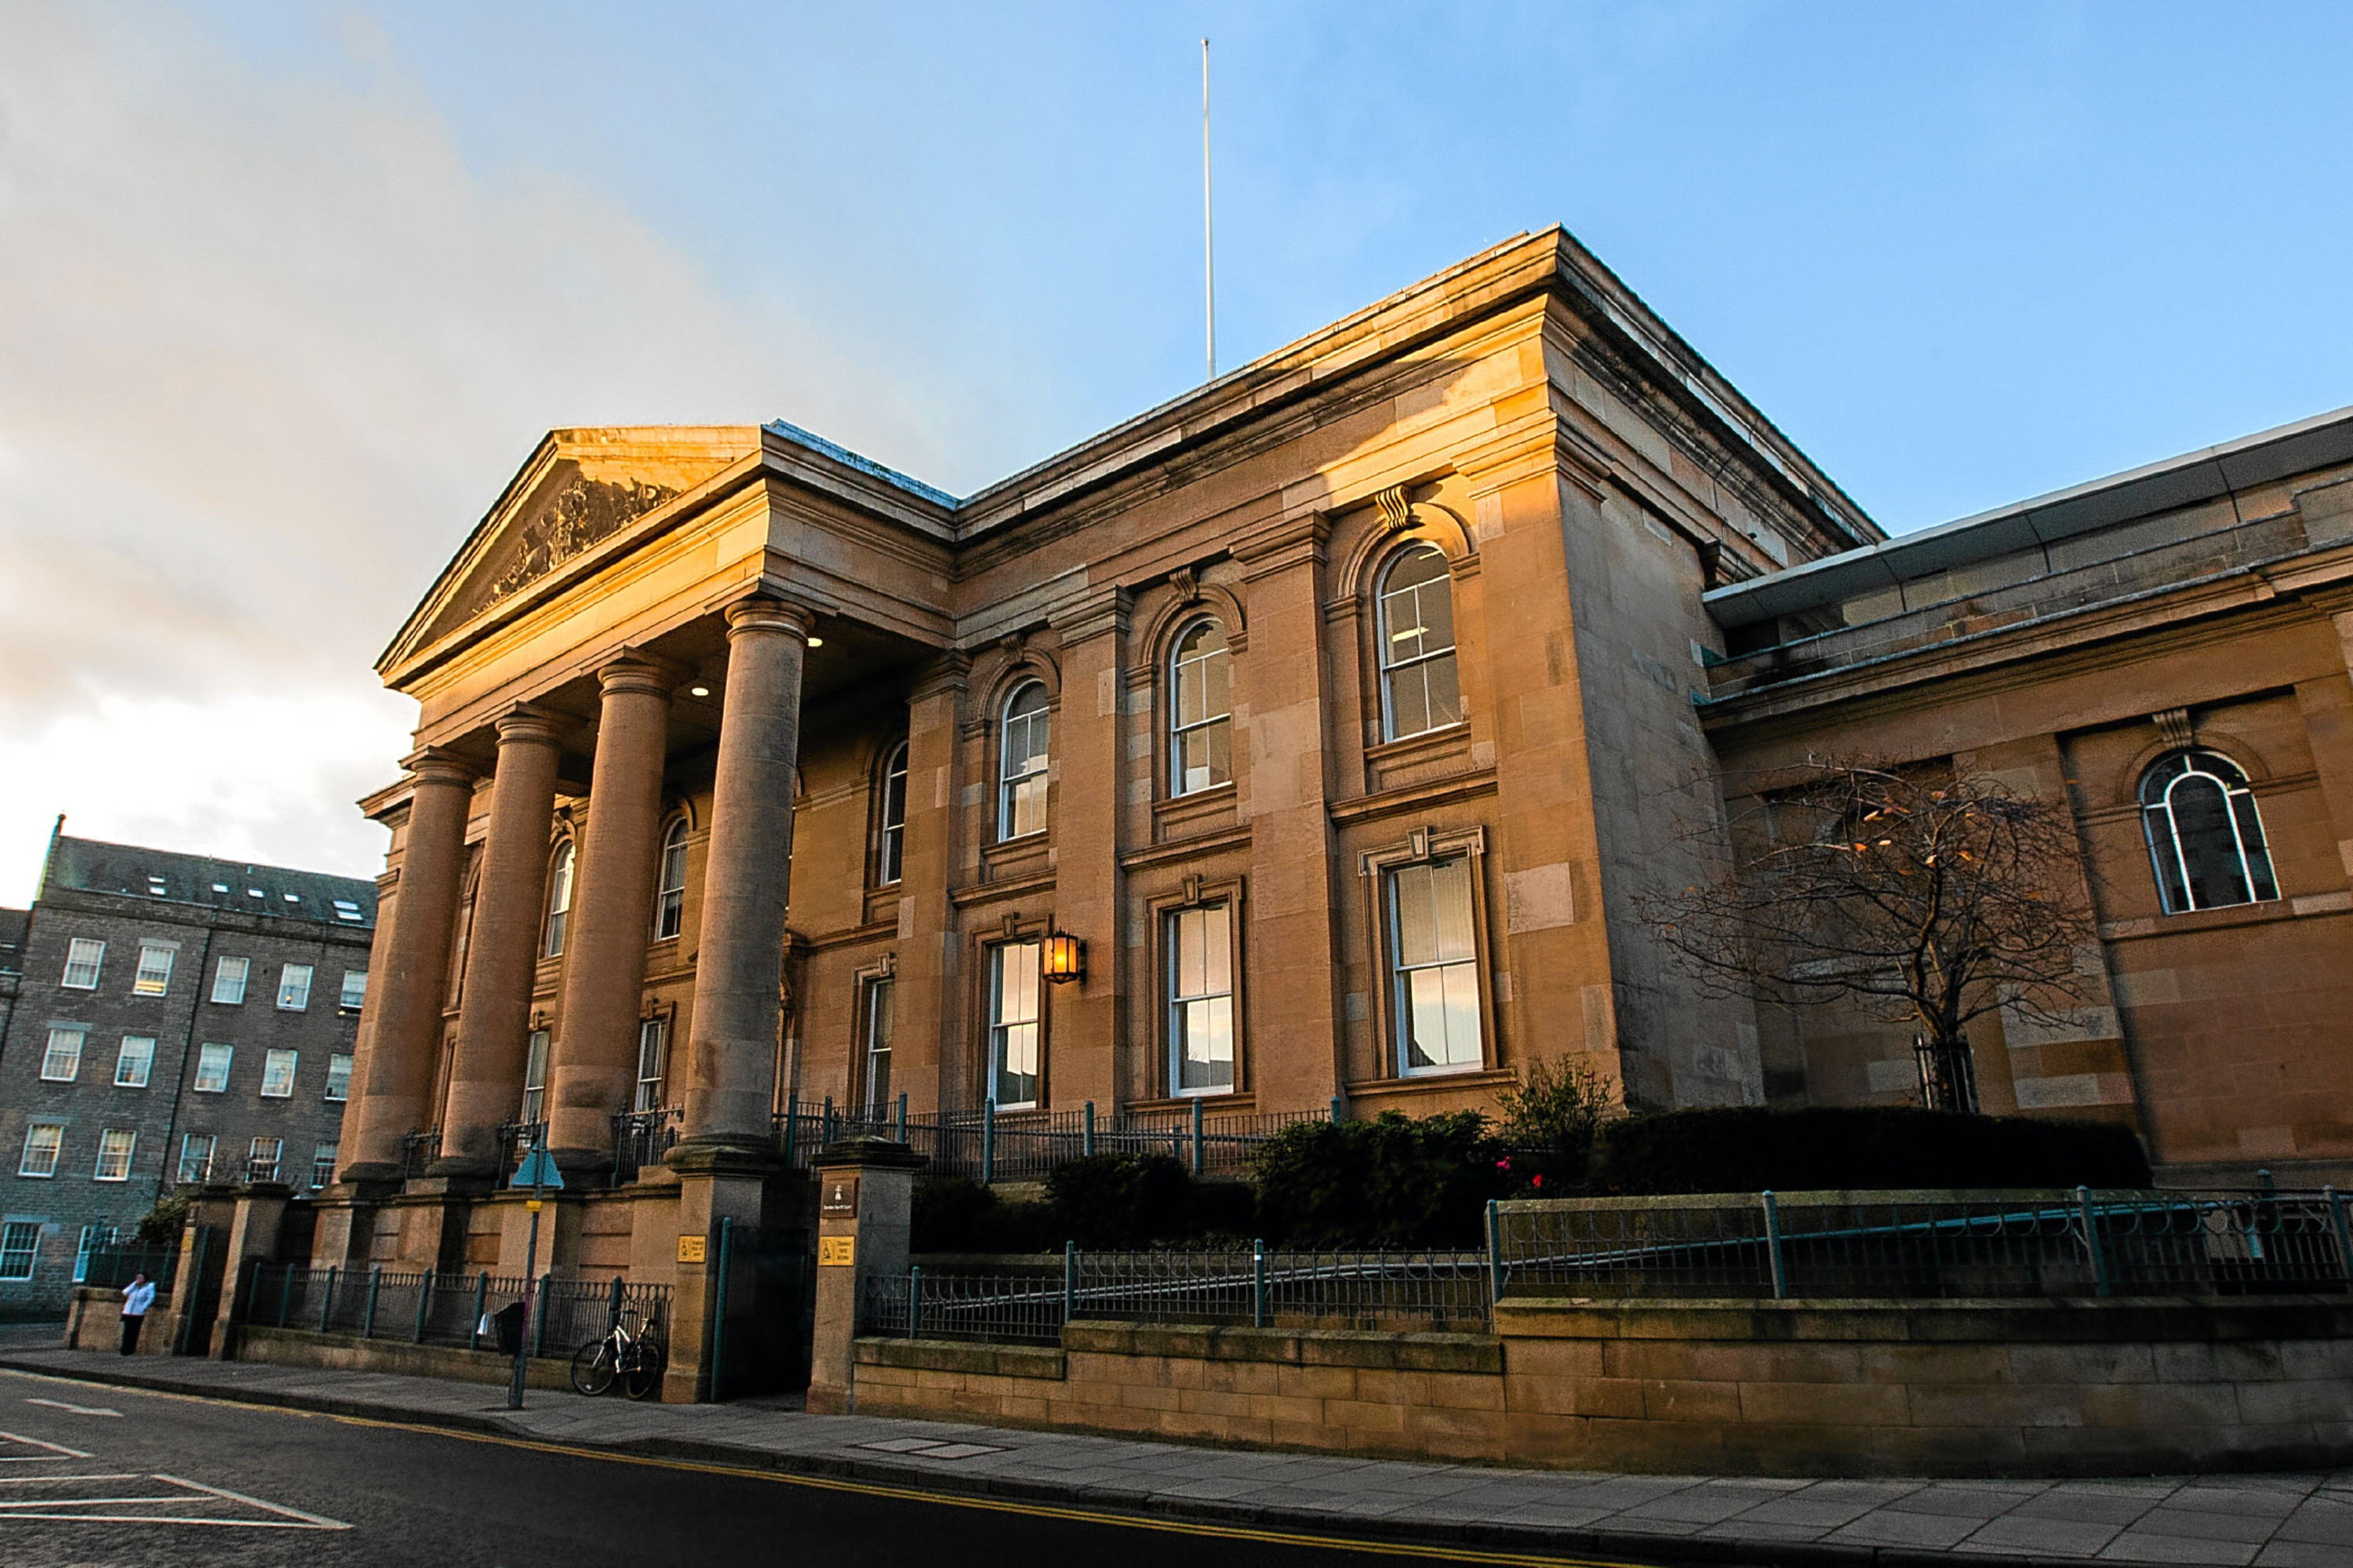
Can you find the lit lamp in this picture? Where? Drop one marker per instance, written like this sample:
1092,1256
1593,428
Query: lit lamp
1066,957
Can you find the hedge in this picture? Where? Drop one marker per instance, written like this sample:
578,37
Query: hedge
1743,1148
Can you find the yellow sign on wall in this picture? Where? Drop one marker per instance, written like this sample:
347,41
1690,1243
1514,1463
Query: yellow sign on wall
836,1252
690,1248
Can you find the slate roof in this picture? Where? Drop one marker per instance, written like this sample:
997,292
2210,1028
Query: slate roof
171,877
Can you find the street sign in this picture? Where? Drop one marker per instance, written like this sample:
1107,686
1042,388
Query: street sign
538,1170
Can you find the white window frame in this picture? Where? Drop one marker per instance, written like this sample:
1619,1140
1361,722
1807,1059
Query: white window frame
293,995
1016,1020
254,1162
85,956
205,1059
354,996
279,1059
113,1143
230,978
339,1076
124,1057
559,899
891,850
1449,972
153,978
323,1156
1417,664
1207,726
534,1079
2162,827
54,1149
61,1060
1204,1004
653,1064
878,1024
19,1239
91,1239
670,894
1024,774
204,1168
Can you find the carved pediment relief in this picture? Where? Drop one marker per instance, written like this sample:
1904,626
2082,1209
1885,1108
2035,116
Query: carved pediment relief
569,516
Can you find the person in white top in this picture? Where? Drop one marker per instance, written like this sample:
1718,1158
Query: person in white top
137,1296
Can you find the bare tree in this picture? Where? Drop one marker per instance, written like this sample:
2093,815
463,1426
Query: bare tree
1928,896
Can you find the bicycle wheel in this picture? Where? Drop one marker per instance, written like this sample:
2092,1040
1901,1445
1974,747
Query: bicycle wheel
592,1367
642,1375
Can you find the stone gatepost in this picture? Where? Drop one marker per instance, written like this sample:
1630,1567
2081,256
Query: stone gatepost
866,1190
715,1181
212,1204
252,1237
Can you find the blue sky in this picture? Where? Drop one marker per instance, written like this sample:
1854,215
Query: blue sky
286,292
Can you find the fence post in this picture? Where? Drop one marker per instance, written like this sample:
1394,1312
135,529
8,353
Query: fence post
825,1124
1773,1246
915,1301
1087,1141
987,1141
539,1328
1197,1137
903,1115
482,1300
792,1123
613,1309
1495,1250
327,1301
718,1297
1336,1109
286,1295
423,1306
1069,1280
2092,1238
367,1319
1257,1267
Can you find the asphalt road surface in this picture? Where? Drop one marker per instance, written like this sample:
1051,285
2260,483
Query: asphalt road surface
92,1475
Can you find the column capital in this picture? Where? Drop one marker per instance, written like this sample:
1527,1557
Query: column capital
433,764
527,726
633,671
759,613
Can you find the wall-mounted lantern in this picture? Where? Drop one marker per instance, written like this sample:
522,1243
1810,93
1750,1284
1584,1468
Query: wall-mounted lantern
1066,957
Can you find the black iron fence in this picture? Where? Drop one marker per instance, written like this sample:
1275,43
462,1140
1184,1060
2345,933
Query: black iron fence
640,1139
446,1308
418,1150
990,1145
111,1267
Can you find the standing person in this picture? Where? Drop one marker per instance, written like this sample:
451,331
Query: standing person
137,1296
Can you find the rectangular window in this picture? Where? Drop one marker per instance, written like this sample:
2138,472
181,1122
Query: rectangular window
93,1238
1201,1000
84,956
322,1165
1434,967
653,1061
228,980
44,1140
212,1068
134,1062
881,999
61,1064
339,1076
114,1146
354,988
294,987
196,1157
1013,1014
277,1074
534,1080
261,1160
154,976
18,1241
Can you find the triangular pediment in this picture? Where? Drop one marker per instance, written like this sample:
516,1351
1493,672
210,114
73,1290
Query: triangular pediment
581,488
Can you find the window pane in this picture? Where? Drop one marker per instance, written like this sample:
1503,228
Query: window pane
154,976
1449,892
84,957
1460,983
1425,1020
2157,824
1014,1028
196,1157
134,1062
653,1063
18,1243
1417,933
294,986
2251,836
355,992
114,1146
323,1164
881,1001
339,1076
62,1062
1408,701
261,1160
2210,850
277,1074
212,1068
1217,939
43,1141
228,980
1445,698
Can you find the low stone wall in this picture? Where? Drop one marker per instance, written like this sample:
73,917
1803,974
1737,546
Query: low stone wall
1728,1388
343,1352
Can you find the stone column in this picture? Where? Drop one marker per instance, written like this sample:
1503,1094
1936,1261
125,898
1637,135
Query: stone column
595,1058
732,1066
502,953
865,1189
928,963
1082,1052
400,1027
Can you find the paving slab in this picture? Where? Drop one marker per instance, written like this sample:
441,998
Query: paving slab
2280,1520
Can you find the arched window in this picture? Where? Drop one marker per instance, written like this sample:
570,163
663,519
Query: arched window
2205,836
1201,711
890,855
1021,787
559,898
1418,689
670,899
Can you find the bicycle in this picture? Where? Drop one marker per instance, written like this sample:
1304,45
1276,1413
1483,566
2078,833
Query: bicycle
631,1352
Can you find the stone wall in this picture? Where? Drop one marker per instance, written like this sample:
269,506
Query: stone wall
1772,1388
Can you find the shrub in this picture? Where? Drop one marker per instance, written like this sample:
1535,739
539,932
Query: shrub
1558,1108
1742,1148
163,1222
1387,1183
955,1215
1122,1200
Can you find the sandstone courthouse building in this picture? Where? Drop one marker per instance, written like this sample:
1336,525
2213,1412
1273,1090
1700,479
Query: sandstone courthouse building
1338,711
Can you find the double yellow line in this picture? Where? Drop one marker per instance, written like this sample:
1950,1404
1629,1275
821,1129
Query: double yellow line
1198,1528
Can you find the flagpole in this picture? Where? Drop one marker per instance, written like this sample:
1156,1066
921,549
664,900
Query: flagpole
1209,250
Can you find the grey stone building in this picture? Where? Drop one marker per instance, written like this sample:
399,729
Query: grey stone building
176,1019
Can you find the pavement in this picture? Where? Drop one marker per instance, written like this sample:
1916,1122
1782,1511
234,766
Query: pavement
2271,1520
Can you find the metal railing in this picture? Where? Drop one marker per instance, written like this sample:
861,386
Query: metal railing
444,1308
1927,1246
418,1150
112,1266
990,1145
640,1139
516,1139
1259,1286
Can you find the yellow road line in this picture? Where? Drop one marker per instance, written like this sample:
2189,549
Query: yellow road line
1202,1528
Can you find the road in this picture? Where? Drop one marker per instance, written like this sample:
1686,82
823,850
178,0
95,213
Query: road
92,1475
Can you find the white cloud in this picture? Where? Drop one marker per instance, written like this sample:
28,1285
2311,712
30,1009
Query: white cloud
267,347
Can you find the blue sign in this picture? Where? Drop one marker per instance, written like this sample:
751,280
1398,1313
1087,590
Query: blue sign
538,1170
